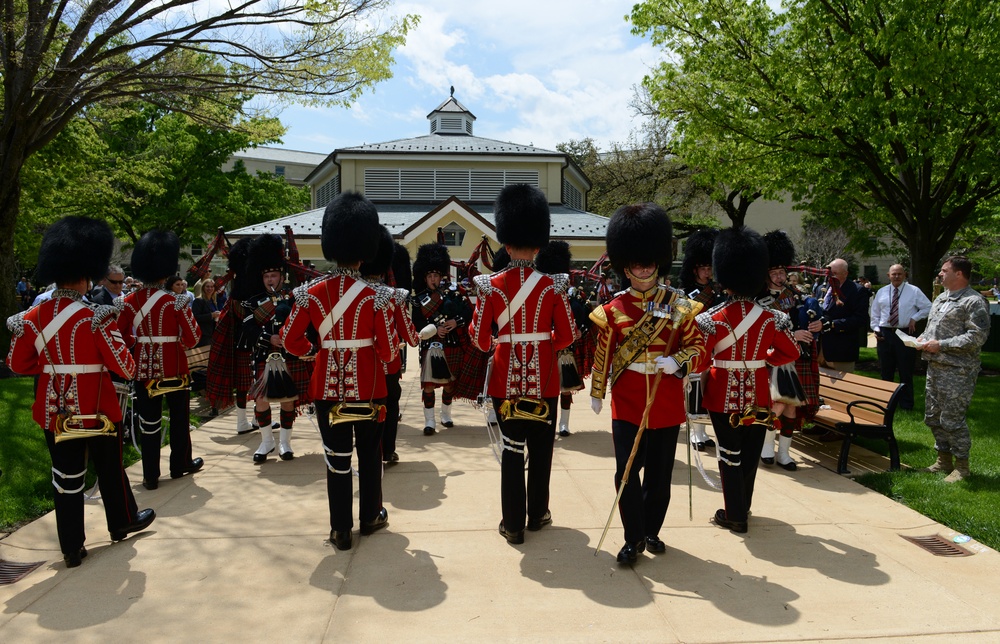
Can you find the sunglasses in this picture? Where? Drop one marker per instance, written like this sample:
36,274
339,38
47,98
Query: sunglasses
116,281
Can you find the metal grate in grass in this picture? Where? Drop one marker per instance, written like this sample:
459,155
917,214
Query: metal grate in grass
937,545
11,572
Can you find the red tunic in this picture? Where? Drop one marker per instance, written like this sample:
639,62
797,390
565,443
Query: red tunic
347,365
524,361
403,330
731,386
614,322
89,338
164,330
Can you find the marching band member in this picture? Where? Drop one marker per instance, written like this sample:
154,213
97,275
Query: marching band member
743,339
794,386
72,347
374,272
230,363
353,321
644,329
281,377
534,323
438,303
159,325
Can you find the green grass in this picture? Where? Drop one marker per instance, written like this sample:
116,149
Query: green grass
967,506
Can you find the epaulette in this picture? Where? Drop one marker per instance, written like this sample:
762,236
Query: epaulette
15,324
102,313
561,282
301,295
705,322
599,317
781,320
180,301
483,284
401,296
620,293
119,304
383,295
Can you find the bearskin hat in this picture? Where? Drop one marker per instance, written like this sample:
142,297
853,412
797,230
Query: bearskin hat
379,265
739,260
154,257
501,259
74,248
350,229
639,234
521,214
402,274
238,254
430,258
780,250
266,253
697,252
553,258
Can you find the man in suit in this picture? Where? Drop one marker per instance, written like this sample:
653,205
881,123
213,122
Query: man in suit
845,307
898,306
110,288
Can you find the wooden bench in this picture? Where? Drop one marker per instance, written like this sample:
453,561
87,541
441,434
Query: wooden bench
197,358
859,406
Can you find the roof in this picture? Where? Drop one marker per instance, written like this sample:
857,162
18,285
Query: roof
281,155
451,144
452,105
567,223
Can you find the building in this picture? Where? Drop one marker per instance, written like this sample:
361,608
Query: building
293,165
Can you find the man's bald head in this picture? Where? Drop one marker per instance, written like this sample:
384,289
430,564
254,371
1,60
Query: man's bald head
839,269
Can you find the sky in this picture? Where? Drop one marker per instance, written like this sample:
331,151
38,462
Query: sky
538,72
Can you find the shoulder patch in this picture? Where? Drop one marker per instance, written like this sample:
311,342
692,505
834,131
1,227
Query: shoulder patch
401,296
301,295
483,284
705,322
180,301
15,324
119,304
561,282
383,295
102,313
781,320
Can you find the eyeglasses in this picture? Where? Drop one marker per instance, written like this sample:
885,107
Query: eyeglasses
116,281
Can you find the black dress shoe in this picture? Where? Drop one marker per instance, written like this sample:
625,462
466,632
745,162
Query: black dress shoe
655,545
630,553
789,466
260,458
447,423
515,538
537,524
341,539
428,431
736,526
564,432
392,458
151,484
767,460
699,446
379,522
248,430
74,559
287,456
142,521
195,465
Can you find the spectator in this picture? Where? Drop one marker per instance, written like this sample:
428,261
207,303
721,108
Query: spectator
22,292
206,311
898,306
110,288
845,316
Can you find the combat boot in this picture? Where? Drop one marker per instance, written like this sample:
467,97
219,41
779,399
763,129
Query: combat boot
960,473
942,464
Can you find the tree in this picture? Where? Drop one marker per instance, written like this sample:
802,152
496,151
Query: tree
886,108
59,58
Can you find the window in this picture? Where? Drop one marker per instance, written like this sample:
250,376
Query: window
196,251
454,235
279,170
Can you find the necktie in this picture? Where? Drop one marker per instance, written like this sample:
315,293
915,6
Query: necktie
894,308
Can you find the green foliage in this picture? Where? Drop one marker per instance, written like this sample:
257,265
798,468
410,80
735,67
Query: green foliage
877,111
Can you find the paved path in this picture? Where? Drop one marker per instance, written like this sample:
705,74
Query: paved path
239,552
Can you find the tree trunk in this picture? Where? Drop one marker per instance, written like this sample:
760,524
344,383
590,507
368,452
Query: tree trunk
10,203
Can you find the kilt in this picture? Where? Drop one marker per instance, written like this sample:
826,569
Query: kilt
299,370
229,368
454,356
471,373
242,369
583,351
808,369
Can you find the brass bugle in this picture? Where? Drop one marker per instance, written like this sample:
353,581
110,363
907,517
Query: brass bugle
534,409
353,412
162,386
70,427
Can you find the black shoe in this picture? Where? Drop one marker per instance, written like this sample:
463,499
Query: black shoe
736,526
287,456
447,423
709,442
213,412
260,458
142,521
514,538
342,540
428,431
150,484
195,465
252,428
75,559
379,522
537,524
629,553
789,466
564,432
391,458
655,545
699,446
767,460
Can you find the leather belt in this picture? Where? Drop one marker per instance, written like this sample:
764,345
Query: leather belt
157,339
509,338
740,365
647,368
72,368
347,344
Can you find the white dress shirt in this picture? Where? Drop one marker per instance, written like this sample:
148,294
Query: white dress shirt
913,305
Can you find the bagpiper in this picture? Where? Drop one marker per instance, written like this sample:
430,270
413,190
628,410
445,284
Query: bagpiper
280,377
533,321
353,322
438,304
72,348
644,329
743,339
159,325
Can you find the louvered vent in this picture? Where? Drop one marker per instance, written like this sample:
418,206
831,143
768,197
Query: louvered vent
394,184
571,196
326,192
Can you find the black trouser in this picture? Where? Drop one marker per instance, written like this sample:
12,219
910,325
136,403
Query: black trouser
893,355
69,470
150,412
643,506
739,452
394,392
337,446
538,439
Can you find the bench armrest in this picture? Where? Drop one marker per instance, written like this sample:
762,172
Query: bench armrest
865,403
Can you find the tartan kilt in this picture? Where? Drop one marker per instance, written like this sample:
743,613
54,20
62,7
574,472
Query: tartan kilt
471,373
583,351
299,370
228,367
808,371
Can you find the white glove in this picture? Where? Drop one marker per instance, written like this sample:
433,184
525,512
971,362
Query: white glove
596,404
428,332
667,364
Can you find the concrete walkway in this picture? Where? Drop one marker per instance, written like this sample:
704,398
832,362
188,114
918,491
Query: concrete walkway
239,552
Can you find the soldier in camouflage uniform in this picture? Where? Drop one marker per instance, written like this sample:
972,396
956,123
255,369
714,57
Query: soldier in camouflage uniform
957,328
